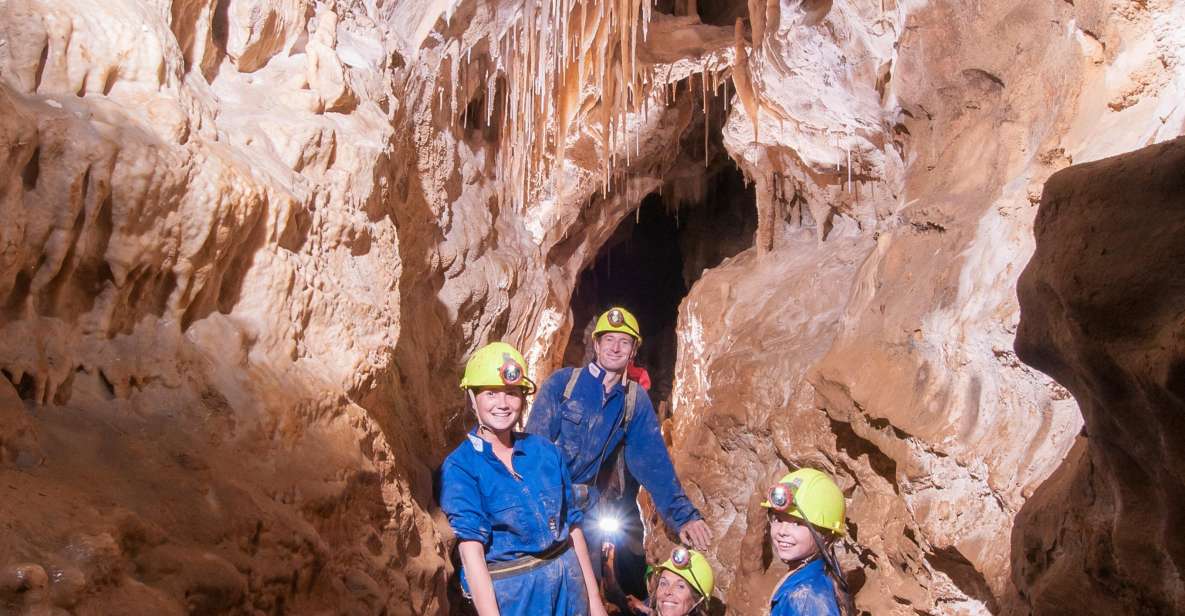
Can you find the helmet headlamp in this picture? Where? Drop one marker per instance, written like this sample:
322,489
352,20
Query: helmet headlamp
781,497
510,372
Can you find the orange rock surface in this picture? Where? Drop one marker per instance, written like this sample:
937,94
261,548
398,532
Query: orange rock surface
246,246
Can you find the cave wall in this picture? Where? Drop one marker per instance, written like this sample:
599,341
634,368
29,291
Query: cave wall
871,334
1101,308
202,288
246,246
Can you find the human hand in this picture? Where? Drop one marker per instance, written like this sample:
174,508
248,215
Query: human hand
637,605
696,534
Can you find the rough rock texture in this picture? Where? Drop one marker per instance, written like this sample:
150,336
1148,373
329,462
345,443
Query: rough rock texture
1102,303
246,245
902,154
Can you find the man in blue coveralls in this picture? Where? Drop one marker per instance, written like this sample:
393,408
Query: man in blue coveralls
592,412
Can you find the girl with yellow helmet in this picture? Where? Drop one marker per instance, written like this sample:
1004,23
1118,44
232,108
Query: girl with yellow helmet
508,498
806,518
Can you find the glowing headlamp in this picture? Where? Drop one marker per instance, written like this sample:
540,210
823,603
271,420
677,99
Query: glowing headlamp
616,318
609,524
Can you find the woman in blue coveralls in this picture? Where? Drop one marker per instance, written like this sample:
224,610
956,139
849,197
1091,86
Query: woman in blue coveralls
806,517
508,498
682,586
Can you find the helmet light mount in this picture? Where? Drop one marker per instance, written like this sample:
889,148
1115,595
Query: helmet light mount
616,318
511,373
680,563
781,497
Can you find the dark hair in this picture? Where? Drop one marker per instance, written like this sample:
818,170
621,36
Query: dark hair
839,582
824,541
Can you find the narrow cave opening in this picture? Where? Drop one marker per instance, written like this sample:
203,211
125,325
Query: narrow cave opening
705,214
639,268
651,261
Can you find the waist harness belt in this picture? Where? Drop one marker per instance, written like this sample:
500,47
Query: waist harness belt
523,564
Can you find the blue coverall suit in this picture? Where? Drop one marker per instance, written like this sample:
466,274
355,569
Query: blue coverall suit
512,517
587,431
806,592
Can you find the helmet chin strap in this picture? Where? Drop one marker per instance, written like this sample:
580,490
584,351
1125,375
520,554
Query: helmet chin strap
658,609
827,553
481,425
633,355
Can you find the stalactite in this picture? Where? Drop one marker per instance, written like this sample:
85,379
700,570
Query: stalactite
551,68
707,117
757,22
773,16
765,216
740,77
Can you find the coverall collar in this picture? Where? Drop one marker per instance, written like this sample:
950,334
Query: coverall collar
481,446
813,568
599,374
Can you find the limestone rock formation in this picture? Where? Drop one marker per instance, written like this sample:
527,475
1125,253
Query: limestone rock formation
895,371
245,247
1101,311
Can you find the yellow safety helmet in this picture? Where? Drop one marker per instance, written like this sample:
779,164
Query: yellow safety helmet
618,319
497,364
809,495
693,567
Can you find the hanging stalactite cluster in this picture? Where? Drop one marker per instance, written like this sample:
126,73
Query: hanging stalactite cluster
558,65
557,60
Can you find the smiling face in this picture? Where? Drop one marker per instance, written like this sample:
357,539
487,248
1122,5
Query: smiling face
614,350
673,596
791,537
498,407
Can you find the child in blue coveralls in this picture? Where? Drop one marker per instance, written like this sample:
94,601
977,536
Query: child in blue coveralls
806,517
508,498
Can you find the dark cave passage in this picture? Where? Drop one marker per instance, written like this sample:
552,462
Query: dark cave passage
651,262
706,215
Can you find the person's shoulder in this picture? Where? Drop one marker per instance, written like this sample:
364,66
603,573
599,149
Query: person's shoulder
560,376
565,373
813,595
462,455
643,395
